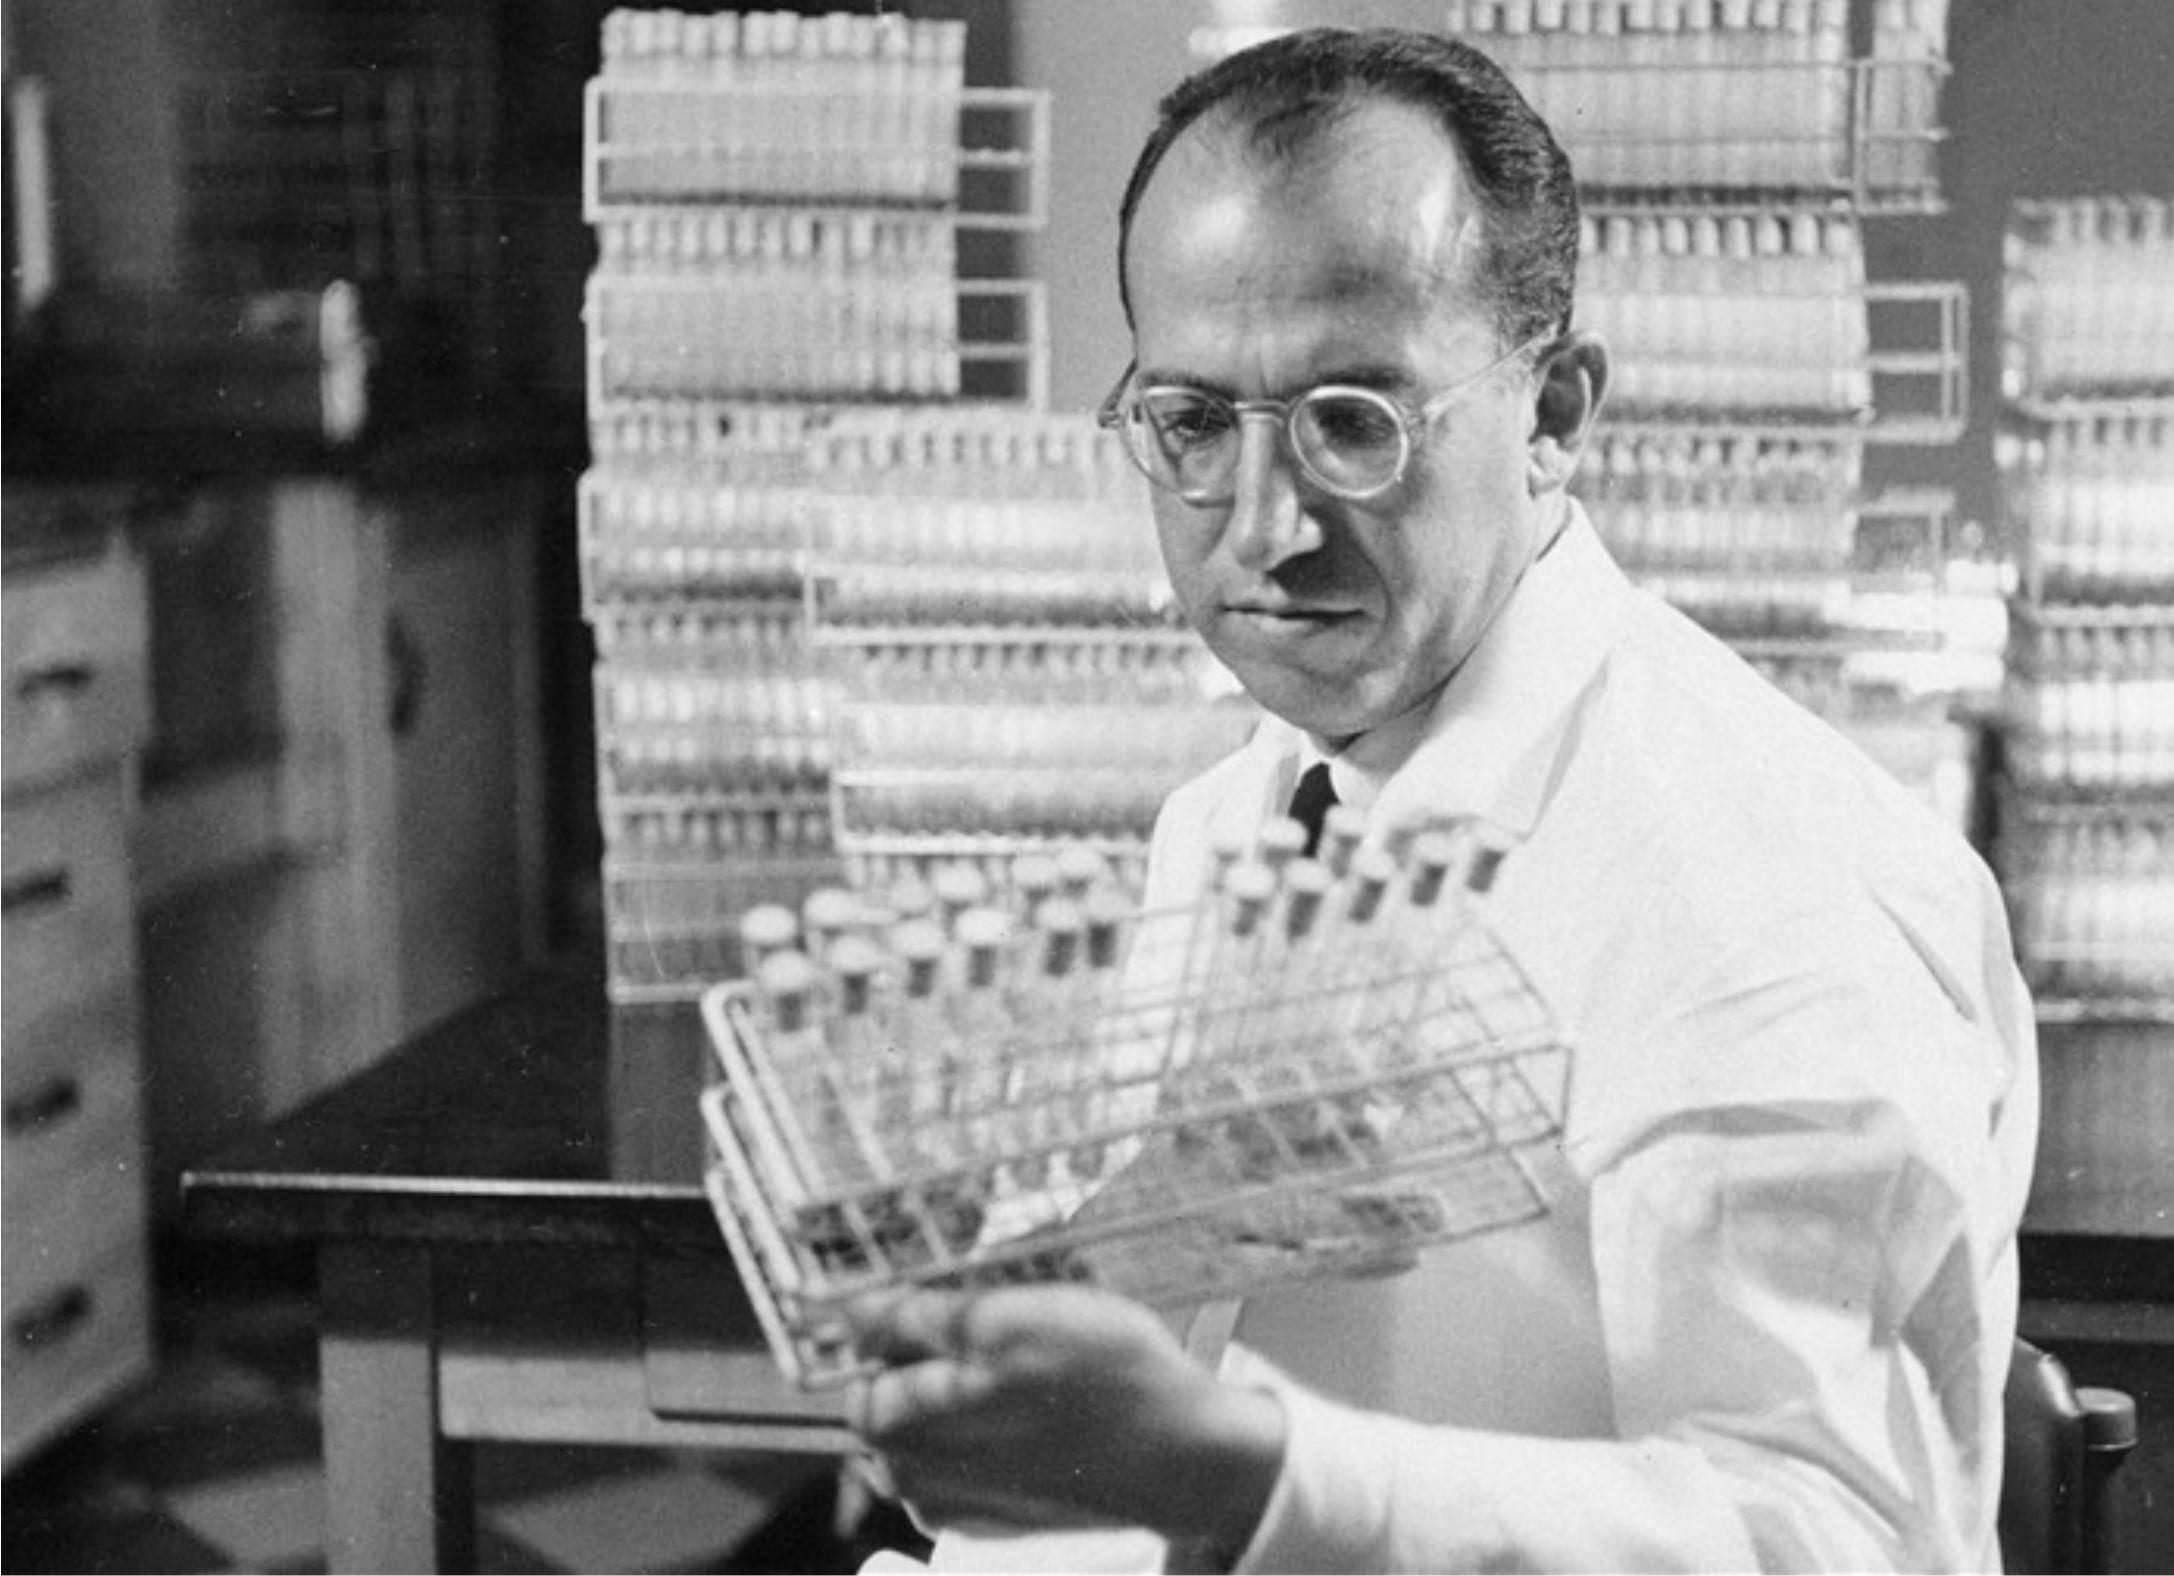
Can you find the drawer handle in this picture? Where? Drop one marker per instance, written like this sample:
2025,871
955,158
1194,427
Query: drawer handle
53,1320
36,890
51,1102
60,679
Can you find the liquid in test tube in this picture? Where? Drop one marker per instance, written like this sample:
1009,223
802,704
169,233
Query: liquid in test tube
856,1065
981,1022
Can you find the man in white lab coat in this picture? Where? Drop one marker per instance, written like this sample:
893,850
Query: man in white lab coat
1767,1321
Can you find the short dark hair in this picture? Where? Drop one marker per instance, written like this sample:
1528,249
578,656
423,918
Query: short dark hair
1284,92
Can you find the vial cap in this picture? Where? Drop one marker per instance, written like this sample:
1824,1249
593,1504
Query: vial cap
1344,823
1308,878
856,957
1080,868
830,908
1373,865
1106,905
1433,850
1061,914
787,974
959,886
1281,841
984,927
910,897
1251,882
1034,873
917,940
768,926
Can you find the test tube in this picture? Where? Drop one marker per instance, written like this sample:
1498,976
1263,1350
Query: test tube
1249,886
1034,879
1106,909
982,1021
826,915
1372,869
959,888
1281,841
787,983
1080,870
1431,855
1052,1034
1342,830
765,930
1306,884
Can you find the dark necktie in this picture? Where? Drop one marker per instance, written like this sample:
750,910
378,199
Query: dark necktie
1310,802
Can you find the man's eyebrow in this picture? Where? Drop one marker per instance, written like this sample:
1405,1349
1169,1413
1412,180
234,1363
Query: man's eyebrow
1175,377
1378,376
1381,377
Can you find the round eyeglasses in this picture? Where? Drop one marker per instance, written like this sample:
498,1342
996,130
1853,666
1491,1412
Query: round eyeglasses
1350,441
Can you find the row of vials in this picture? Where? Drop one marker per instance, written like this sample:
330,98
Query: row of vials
773,106
2085,305
2094,905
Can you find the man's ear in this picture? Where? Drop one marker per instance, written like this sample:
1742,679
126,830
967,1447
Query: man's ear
1573,381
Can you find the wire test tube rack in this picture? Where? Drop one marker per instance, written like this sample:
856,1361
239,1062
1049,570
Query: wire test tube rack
1320,1068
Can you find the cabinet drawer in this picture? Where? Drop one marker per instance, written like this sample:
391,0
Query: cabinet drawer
71,1340
65,913
71,1113
49,1229
77,676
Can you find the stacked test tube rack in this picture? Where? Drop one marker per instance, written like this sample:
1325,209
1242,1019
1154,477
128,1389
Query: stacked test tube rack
1319,1069
781,205
1732,98
1730,155
2087,461
1009,672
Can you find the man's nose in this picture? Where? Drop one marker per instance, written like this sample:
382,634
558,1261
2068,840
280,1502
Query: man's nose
1269,522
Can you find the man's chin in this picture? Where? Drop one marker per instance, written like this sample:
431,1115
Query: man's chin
1331,708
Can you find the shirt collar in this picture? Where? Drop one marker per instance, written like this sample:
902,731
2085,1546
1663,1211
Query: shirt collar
1491,741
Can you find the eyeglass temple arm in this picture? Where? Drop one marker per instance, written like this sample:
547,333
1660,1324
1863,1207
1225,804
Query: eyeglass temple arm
1106,413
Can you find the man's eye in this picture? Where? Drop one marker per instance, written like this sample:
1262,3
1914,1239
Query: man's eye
1188,421
1351,424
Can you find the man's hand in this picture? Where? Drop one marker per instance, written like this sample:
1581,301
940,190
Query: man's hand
1044,1407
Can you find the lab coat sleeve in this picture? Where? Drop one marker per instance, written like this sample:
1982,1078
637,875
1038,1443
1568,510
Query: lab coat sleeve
1790,1299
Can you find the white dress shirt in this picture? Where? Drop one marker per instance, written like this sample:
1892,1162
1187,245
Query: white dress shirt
1767,1322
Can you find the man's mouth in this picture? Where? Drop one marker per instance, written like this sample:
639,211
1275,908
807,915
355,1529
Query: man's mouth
1287,615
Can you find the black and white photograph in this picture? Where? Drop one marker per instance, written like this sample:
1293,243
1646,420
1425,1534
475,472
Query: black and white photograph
1149,786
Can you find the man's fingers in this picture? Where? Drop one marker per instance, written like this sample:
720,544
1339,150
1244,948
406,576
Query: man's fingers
907,1327
886,1407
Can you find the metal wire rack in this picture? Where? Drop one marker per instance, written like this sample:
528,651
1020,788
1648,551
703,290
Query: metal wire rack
1316,1070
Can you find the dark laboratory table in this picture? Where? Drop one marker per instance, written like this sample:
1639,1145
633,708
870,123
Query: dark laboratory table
512,1244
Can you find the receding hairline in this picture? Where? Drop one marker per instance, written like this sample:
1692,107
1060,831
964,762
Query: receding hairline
1298,139
1526,192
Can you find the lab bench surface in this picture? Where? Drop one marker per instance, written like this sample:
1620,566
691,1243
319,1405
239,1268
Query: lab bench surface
514,1244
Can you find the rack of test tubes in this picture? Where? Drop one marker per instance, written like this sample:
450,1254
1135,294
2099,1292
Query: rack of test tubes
1320,1068
986,750
1730,156
1727,96
2085,314
1007,670
2086,844
1757,313
779,203
711,739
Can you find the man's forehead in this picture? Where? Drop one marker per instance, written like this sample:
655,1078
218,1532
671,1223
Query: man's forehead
1366,217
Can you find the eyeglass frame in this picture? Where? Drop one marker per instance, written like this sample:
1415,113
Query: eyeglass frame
1110,417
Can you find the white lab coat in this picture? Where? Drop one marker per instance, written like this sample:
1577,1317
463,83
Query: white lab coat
1767,1322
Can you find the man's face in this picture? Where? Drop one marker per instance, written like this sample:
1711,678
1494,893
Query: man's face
1354,265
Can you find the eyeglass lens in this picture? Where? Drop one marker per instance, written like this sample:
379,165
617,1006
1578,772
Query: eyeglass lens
1348,440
